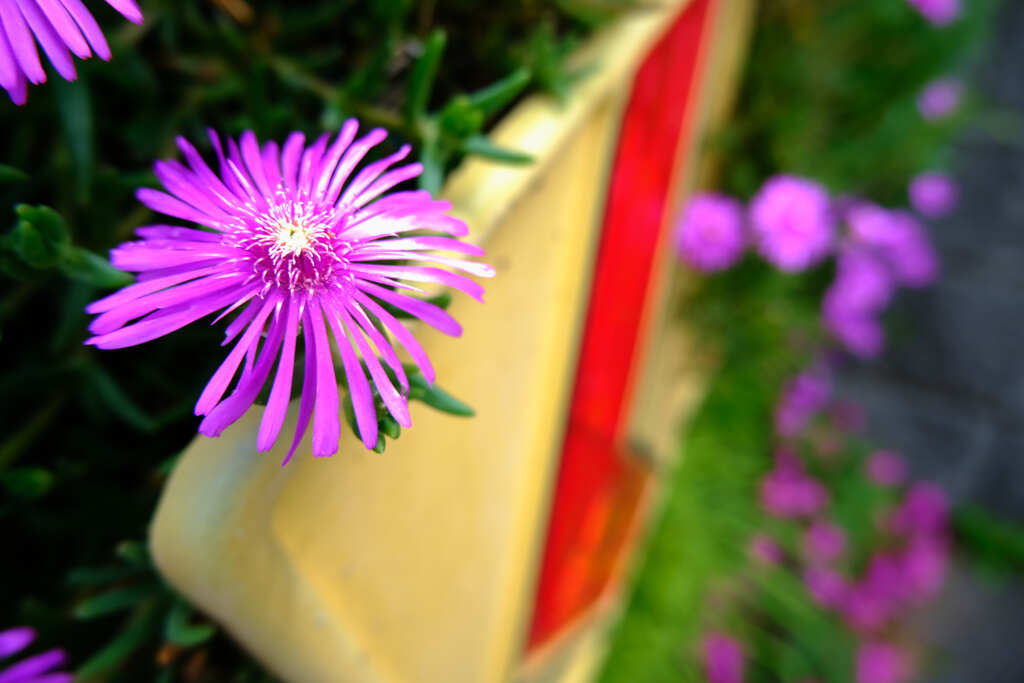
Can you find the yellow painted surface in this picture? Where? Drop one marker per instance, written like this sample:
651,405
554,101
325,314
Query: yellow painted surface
419,564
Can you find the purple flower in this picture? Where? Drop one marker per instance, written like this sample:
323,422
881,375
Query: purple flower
792,222
862,288
803,397
37,668
787,491
61,27
710,235
886,468
898,239
723,659
933,194
765,550
861,335
824,541
940,98
938,12
924,566
865,607
826,585
925,510
879,662
298,245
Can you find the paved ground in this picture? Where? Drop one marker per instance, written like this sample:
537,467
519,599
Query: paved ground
950,391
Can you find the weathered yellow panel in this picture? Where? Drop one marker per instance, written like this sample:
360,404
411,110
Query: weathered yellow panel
419,564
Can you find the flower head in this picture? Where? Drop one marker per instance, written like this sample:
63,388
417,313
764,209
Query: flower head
803,397
938,12
765,550
826,585
824,541
898,239
61,27
792,222
879,662
710,235
37,668
789,492
940,98
933,194
723,659
298,245
886,468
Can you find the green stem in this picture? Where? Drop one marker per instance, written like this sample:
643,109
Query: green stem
15,445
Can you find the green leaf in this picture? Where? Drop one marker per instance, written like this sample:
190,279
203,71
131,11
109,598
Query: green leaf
481,145
32,246
114,601
459,119
389,427
142,625
95,576
27,482
9,174
424,72
434,160
133,552
48,222
177,629
493,98
436,397
381,443
85,266
76,122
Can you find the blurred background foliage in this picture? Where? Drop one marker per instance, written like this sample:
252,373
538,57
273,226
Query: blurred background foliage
830,93
86,438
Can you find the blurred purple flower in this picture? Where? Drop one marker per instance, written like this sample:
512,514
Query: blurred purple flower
792,222
886,468
292,238
924,565
925,510
37,668
879,662
933,194
803,397
826,586
710,236
940,98
61,27
824,541
865,607
723,659
938,12
898,239
787,491
765,550
861,335
862,288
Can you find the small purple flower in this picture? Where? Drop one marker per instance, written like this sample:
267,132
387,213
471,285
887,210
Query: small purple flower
61,27
924,566
861,335
802,398
925,510
940,98
865,607
710,235
824,541
299,245
898,239
886,468
37,668
765,550
938,12
826,586
933,194
792,222
852,304
879,662
723,659
788,492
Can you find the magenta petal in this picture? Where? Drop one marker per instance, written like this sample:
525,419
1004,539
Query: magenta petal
308,389
280,392
388,181
352,157
326,424
330,160
422,274
53,46
132,292
90,29
394,401
290,156
384,348
254,162
27,670
21,41
402,334
15,640
370,173
310,162
65,27
358,386
271,156
218,384
128,9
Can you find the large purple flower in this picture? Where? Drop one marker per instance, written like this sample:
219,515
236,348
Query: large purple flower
61,27
793,223
710,235
37,668
299,246
938,12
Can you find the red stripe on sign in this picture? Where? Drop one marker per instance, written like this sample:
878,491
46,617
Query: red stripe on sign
599,484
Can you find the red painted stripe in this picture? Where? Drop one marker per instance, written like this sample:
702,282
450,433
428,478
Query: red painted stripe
599,485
